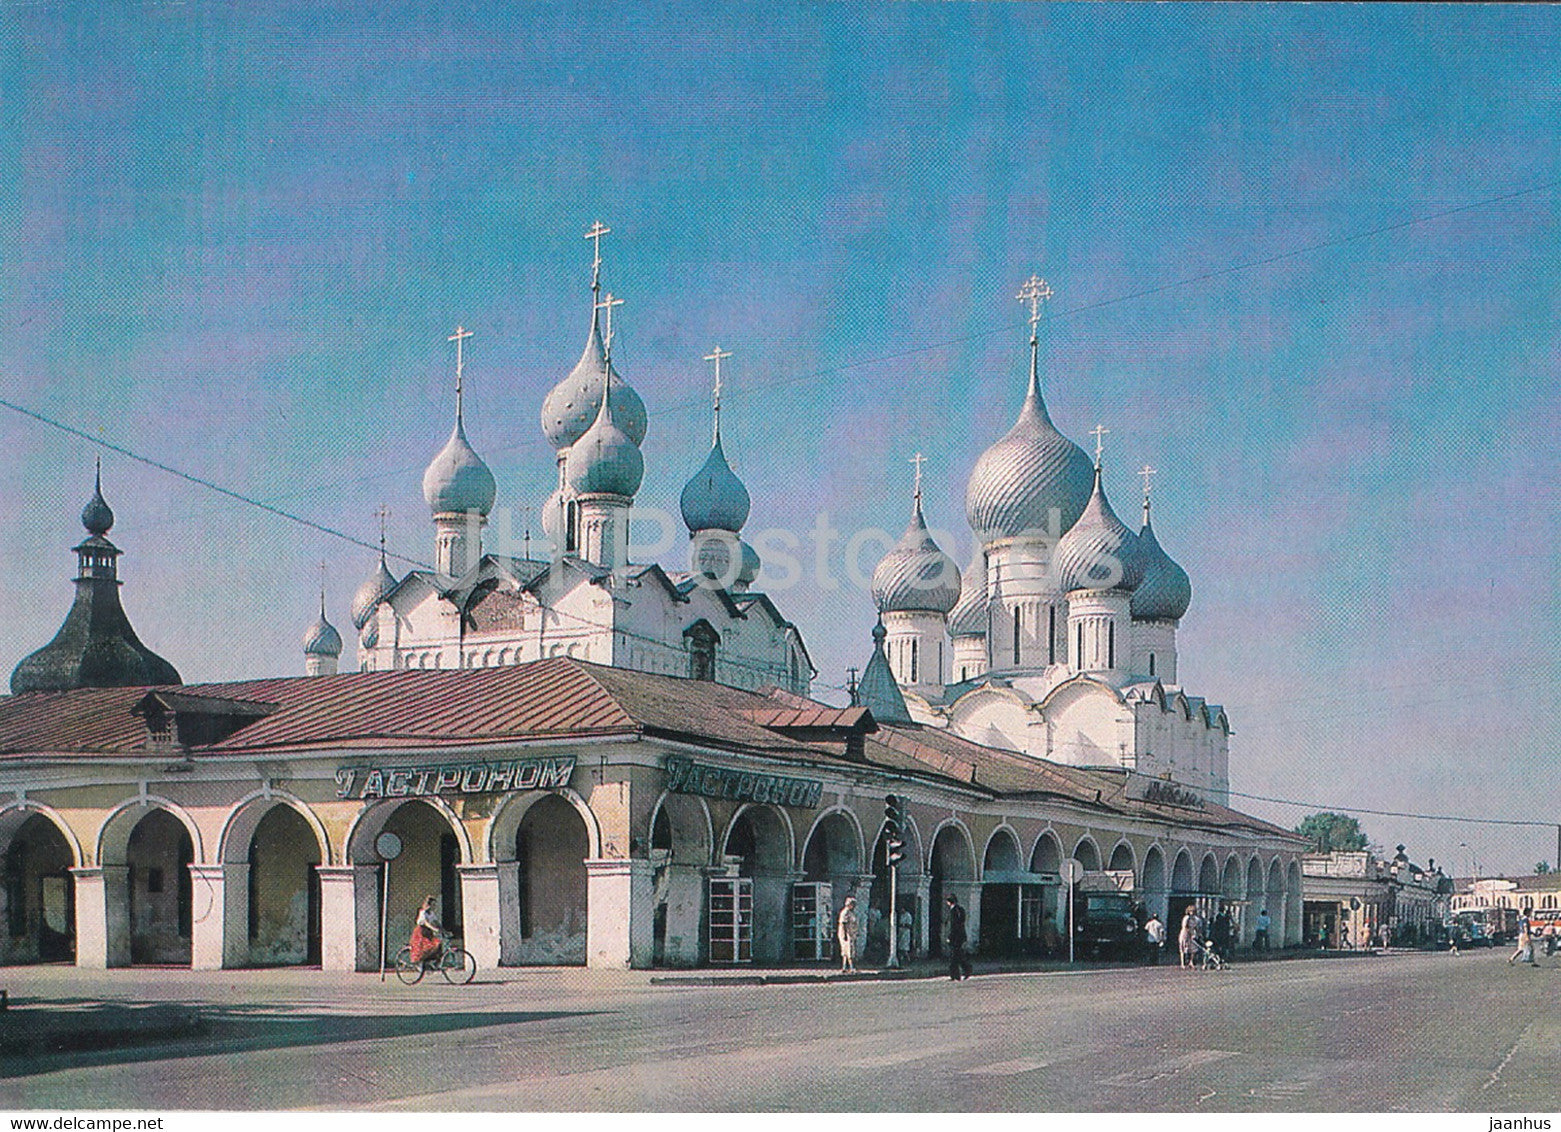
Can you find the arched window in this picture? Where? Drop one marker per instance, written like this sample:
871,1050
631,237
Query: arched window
702,640
1151,664
1016,636
1111,644
1078,655
915,675
1051,634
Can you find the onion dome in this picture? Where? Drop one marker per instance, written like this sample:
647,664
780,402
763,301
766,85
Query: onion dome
321,638
371,593
369,637
567,411
605,460
1099,552
1166,591
968,618
915,575
878,691
1029,472
715,499
748,568
97,516
458,480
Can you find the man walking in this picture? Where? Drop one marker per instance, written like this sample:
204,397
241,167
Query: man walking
1154,939
959,963
1260,936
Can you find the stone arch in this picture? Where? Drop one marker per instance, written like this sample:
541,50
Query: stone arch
759,843
1293,903
1002,852
682,846
245,816
37,852
836,834
146,846
1230,879
1153,881
1255,881
114,833
546,856
358,845
964,865
951,864
434,846
1087,853
16,814
1123,858
1182,879
1209,876
498,840
1046,857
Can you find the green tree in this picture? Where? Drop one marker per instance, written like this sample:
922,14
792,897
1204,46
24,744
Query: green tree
1330,831
1542,868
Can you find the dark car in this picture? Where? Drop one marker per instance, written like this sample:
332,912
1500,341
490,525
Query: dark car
1104,926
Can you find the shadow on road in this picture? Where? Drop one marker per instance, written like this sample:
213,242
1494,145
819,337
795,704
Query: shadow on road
92,1032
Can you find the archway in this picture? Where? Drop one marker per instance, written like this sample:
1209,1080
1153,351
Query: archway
432,848
1278,931
1293,904
158,856
1004,899
680,851
283,897
832,855
1154,889
1256,900
1087,854
1046,859
758,846
1183,894
1122,860
952,866
1209,877
551,846
39,894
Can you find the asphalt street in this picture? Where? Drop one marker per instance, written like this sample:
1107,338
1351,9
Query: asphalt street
1410,1032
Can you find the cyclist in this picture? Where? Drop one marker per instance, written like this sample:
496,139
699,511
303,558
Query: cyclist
427,936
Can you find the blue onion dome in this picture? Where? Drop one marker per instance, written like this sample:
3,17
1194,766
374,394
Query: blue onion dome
748,568
567,411
915,575
97,516
715,499
968,618
458,480
322,639
1099,552
1020,479
1166,591
371,593
605,460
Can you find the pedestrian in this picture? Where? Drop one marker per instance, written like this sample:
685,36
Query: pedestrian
1154,939
1187,938
1260,936
1222,934
845,930
907,922
959,963
1051,938
1525,951
427,936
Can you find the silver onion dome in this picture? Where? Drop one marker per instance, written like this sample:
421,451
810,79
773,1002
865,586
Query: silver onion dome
321,638
915,575
371,593
1166,591
569,409
97,516
605,460
457,479
1099,552
715,499
968,618
1024,476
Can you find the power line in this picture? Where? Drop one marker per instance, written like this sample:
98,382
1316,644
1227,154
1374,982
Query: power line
1462,820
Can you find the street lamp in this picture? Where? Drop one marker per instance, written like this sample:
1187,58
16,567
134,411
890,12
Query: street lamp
1474,861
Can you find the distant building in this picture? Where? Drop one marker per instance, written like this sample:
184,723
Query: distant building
1520,893
1353,899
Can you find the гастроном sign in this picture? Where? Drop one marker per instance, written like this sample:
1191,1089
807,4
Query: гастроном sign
459,778
685,777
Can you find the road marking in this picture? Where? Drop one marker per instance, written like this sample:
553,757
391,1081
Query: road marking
903,1056
1169,1067
1007,1068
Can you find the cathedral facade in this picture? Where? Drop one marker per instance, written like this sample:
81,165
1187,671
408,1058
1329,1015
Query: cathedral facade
1060,639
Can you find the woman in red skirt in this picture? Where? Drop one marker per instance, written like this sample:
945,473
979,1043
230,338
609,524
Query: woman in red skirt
426,939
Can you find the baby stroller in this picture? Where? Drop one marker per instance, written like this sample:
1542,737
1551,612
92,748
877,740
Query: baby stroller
1212,960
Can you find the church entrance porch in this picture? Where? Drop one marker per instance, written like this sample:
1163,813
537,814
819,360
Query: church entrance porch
39,913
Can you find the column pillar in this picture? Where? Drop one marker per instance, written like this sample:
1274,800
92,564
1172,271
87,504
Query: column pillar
349,917
481,914
922,887
102,916
686,886
508,873
619,896
220,938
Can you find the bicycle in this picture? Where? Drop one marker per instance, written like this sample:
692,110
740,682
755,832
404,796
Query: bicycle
454,963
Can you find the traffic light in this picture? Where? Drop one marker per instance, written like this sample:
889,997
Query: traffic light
894,828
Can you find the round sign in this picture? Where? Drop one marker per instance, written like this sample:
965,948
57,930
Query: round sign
388,846
1072,872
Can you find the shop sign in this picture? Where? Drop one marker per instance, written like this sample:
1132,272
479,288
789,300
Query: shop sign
685,777
1169,794
462,778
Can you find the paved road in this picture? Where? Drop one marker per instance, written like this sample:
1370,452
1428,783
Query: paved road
1401,1032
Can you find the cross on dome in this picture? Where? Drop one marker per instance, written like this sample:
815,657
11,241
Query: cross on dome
595,233
918,460
384,514
716,356
460,336
1035,292
1099,432
607,303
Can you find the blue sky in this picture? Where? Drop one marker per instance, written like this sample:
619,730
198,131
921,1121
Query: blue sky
234,237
